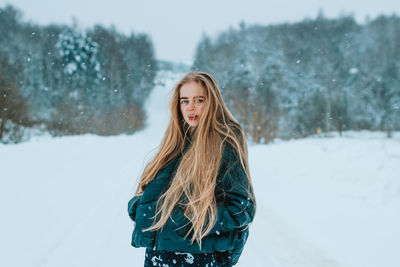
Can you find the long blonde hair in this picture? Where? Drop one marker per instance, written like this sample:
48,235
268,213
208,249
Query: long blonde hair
195,178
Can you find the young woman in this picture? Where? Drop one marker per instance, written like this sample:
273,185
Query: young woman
195,198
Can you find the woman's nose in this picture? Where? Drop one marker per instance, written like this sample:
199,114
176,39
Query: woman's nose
190,106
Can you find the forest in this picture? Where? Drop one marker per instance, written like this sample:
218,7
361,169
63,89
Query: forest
315,76
280,81
69,81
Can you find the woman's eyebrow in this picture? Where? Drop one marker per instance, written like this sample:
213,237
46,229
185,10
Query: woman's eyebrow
200,96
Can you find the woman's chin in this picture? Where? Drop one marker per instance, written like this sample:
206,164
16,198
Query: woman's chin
192,123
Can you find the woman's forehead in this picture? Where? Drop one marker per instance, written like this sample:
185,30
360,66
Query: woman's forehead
191,90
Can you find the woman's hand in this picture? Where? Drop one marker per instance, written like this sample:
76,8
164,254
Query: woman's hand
132,206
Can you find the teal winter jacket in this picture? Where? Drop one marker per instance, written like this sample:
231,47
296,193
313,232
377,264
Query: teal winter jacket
235,211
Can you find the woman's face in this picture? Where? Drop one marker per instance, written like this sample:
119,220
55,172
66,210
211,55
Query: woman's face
192,97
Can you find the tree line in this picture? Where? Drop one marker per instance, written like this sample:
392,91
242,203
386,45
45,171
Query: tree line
280,81
71,81
317,75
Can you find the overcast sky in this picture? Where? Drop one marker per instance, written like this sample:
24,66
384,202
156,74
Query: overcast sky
176,26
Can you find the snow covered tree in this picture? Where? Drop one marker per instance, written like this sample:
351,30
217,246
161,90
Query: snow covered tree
385,71
78,52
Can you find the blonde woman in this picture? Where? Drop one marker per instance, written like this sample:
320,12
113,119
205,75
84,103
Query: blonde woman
195,200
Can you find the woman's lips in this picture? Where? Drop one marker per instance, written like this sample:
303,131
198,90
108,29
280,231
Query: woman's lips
194,117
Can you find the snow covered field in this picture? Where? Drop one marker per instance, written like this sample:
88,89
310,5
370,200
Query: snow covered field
321,201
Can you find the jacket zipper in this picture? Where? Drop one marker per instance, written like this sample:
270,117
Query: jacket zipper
155,241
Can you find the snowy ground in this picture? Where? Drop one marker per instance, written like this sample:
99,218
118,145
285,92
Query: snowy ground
330,202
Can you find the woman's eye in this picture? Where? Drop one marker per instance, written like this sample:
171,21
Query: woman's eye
185,101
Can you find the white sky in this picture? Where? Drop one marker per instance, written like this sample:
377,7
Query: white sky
176,26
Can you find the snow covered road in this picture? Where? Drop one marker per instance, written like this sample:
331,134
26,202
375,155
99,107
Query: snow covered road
330,202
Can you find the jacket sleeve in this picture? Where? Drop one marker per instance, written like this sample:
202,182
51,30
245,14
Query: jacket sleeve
235,206
132,206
